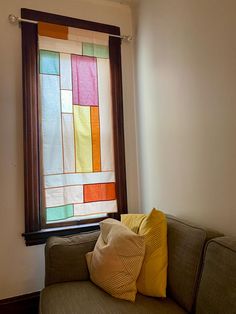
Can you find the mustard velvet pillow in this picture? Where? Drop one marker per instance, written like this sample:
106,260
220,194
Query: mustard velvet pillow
152,280
115,263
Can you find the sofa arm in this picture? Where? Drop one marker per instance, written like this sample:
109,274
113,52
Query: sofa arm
65,257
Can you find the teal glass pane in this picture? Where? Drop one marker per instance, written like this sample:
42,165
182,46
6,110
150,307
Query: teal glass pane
59,213
93,50
48,62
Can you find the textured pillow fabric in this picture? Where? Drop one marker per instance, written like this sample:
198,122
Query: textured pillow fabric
115,263
152,280
133,221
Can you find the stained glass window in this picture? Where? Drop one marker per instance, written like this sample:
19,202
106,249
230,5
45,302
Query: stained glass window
77,152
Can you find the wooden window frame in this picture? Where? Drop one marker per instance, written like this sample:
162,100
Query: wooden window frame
34,234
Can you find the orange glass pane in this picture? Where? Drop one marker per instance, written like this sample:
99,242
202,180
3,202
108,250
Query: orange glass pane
53,30
99,192
95,128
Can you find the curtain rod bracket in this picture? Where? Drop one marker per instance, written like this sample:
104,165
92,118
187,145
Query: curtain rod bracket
13,19
127,38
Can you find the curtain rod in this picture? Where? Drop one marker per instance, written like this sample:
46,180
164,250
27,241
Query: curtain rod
13,19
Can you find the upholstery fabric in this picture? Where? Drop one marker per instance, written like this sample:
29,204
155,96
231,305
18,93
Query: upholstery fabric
185,250
115,263
217,290
65,257
85,298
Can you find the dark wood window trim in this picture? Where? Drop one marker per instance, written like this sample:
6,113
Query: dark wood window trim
34,234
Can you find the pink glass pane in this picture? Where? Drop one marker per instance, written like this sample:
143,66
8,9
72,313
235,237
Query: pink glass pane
84,76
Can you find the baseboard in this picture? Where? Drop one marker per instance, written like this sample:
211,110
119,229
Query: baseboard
23,304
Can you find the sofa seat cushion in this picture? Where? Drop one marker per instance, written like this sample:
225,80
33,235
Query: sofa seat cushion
83,297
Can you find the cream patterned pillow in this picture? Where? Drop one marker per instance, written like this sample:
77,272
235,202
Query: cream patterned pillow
115,263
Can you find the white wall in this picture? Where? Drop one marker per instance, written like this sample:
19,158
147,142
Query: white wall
186,107
21,267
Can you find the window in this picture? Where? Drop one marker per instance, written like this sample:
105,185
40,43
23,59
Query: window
73,125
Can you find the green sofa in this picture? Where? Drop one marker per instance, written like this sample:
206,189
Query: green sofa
201,276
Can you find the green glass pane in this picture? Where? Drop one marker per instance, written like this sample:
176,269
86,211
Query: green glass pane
59,213
49,62
93,50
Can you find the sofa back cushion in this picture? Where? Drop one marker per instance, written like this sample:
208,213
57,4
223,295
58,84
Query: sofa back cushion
65,257
185,250
217,289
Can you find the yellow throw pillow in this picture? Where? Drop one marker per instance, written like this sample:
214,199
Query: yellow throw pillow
152,280
115,263
132,221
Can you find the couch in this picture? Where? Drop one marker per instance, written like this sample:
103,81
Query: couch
201,276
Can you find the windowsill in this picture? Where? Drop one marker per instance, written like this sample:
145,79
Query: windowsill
79,219
40,237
